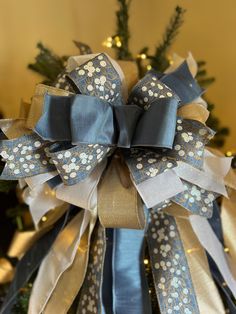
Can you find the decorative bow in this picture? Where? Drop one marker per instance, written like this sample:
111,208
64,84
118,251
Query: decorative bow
68,148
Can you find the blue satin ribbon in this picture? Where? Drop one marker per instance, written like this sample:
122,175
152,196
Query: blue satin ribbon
130,291
106,292
82,119
182,83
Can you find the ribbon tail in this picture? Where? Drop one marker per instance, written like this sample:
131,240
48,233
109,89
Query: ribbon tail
90,296
61,299
30,263
212,245
57,261
130,290
171,274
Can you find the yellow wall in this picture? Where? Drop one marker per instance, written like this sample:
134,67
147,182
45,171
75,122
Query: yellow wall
209,32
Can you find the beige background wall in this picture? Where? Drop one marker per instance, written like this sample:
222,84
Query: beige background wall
209,32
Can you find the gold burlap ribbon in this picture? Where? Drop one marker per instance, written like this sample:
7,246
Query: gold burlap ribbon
36,108
119,206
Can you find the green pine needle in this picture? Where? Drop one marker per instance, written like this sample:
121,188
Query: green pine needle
159,60
122,15
47,64
22,303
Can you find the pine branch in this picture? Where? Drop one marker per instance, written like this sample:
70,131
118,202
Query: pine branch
122,29
17,214
22,301
159,60
48,64
206,82
213,122
202,76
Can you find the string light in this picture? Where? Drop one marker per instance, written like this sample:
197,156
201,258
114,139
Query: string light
108,42
51,192
142,56
44,218
149,67
226,249
114,41
192,250
229,153
118,42
146,261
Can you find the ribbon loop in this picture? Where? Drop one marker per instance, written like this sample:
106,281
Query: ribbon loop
156,127
99,78
91,120
182,83
78,119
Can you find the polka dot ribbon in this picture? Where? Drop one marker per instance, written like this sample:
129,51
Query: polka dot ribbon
31,154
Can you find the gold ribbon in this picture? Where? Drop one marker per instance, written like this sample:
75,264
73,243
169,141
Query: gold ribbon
36,107
194,111
198,264
14,128
228,219
119,206
6,271
199,269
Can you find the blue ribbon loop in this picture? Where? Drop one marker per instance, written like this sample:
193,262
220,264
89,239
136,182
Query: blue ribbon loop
83,119
182,83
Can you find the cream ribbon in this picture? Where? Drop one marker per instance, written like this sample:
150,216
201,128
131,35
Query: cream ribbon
228,219
41,199
72,278
69,254
211,177
155,190
58,260
207,240
198,265
210,242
